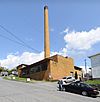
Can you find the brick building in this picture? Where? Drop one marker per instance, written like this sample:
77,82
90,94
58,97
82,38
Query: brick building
52,68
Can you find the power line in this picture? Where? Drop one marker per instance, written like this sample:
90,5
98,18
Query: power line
12,40
17,38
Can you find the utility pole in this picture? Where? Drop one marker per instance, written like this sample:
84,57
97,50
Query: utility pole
85,66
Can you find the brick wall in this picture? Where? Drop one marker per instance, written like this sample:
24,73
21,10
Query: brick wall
61,68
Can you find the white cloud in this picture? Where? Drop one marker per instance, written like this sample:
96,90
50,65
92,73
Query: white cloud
83,40
62,52
13,60
65,31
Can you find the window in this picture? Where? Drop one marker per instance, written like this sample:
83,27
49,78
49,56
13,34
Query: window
35,69
24,72
44,66
69,78
64,77
85,85
39,68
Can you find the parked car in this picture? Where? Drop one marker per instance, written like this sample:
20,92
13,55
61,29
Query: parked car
81,88
4,73
67,79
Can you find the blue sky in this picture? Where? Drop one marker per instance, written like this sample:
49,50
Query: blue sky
74,29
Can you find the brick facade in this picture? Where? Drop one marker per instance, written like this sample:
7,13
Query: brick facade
56,67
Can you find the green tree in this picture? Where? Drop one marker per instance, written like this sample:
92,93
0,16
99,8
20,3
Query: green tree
1,69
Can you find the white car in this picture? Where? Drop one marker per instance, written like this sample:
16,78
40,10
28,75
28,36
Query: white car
67,79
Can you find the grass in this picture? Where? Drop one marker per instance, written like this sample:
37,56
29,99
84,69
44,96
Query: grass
93,82
18,79
7,78
25,80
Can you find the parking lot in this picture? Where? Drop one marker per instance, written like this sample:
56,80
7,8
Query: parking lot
12,91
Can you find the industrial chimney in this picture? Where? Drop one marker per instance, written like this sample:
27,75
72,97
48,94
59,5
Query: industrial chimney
46,34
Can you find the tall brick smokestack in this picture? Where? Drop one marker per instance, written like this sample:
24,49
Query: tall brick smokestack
46,34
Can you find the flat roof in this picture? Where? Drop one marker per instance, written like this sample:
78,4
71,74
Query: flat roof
42,61
94,55
39,62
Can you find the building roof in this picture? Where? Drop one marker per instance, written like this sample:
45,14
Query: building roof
77,68
94,55
53,58
21,65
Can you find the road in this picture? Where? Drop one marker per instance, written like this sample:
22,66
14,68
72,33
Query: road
12,91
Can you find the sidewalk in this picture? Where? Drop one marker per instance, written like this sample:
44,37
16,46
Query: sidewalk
98,94
0,78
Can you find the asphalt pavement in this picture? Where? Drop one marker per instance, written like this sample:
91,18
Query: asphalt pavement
12,91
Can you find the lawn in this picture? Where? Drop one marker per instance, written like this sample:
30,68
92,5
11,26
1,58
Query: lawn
92,82
14,78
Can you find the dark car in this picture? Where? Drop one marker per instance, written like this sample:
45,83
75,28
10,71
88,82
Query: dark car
81,88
